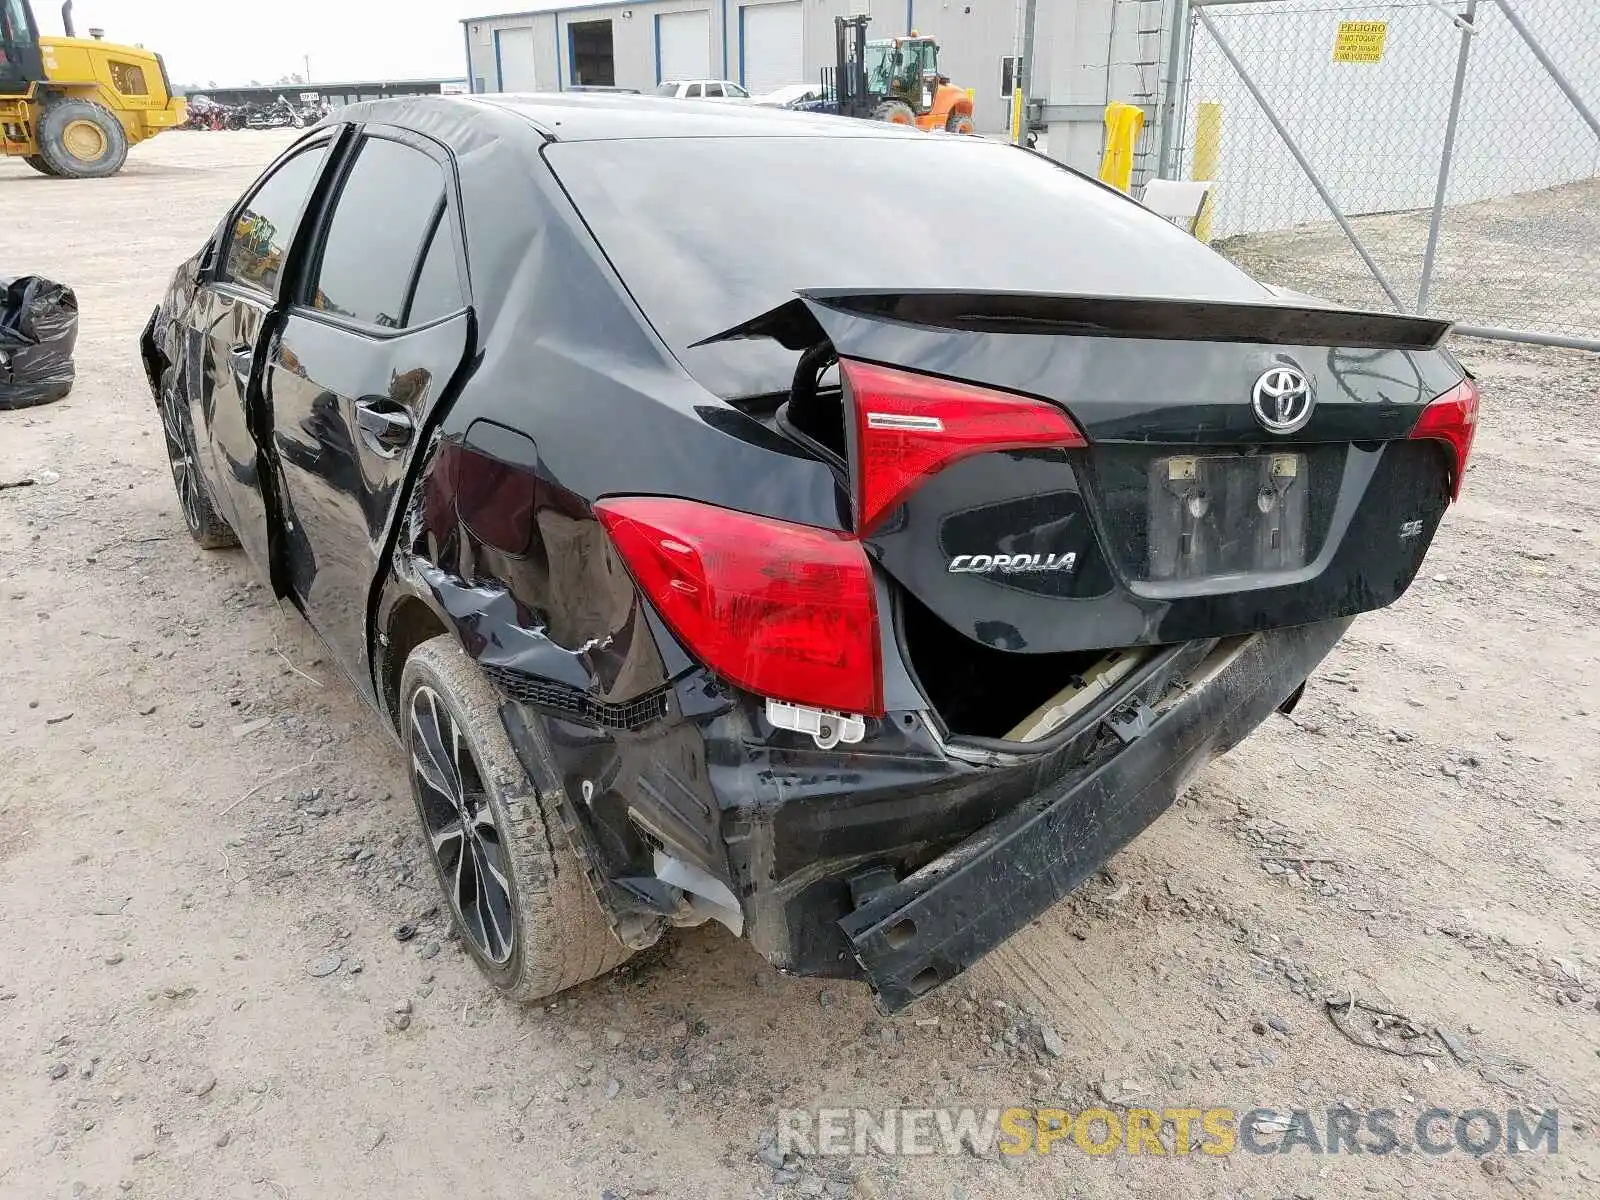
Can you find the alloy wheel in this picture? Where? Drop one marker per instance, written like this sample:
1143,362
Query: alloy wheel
180,455
466,842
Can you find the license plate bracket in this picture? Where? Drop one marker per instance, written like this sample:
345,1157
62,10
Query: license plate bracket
1227,514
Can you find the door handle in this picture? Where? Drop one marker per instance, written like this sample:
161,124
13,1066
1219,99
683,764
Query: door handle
390,429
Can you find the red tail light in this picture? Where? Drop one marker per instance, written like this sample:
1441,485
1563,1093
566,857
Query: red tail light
787,611
1452,419
909,427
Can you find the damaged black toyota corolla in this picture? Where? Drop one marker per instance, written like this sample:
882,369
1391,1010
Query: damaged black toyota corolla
851,535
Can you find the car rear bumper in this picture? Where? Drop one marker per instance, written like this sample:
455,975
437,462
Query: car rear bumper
903,859
935,923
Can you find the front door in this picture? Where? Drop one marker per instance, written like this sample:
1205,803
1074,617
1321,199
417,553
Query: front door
232,310
351,377
21,62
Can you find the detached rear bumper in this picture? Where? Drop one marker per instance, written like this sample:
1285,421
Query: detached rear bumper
924,930
901,860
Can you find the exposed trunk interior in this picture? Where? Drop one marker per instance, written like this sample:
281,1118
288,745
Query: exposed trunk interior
979,691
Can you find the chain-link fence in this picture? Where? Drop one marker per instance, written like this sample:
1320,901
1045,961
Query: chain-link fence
1416,154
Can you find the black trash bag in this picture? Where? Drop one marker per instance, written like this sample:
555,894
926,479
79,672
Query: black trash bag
38,331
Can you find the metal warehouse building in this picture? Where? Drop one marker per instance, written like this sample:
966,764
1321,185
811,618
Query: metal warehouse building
764,44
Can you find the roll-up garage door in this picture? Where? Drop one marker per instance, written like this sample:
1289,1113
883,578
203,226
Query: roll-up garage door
772,47
514,52
683,45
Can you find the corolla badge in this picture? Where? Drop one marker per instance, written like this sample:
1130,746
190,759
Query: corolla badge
1011,564
1282,400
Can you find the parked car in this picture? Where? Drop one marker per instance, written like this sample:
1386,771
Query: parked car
702,89
861,588
790,95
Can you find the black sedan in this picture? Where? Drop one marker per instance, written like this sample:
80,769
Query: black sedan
848,534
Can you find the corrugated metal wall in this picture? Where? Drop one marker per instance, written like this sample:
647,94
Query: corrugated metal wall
975,36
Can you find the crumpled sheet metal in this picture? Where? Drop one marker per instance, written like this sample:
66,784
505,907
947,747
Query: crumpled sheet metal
38,332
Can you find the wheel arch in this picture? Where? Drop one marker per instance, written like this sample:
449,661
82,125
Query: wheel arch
950,100
406,620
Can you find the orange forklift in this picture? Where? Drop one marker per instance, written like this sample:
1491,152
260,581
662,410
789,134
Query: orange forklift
895,80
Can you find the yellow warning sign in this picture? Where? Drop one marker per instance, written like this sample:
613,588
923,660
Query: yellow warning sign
1360,41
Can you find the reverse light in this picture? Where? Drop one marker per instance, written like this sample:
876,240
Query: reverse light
1452,419
786,611
910,426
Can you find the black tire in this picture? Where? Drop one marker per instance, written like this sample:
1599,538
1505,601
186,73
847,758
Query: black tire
549,933
896,112
37,162
206,526
70,145
960,122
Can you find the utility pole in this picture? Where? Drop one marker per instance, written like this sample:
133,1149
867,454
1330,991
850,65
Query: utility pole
1024,72
307,76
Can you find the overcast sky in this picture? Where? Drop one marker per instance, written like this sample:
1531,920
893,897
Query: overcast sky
235,41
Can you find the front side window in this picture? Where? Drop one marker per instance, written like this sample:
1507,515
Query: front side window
265,226
666,89
737,92
387,207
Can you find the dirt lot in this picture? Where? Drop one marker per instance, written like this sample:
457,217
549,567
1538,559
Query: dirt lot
208,845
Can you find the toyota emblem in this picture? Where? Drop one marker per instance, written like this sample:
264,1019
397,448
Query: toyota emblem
1282,400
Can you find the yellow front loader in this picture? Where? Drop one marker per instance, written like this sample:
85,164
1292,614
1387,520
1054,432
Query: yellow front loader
72,106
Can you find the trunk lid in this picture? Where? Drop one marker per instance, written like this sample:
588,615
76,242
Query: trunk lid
1242,466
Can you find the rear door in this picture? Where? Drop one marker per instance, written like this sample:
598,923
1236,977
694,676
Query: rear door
232,310
363,355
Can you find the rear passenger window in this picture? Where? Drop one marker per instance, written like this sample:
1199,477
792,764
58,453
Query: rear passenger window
265,225
386,210
714,89
438,291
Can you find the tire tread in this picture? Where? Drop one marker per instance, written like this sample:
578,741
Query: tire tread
564,938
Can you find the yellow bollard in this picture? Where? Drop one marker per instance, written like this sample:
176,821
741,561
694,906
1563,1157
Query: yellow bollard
1207,149
1123,123
1016,117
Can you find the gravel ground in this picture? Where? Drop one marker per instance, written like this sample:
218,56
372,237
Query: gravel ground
1528,262
208,849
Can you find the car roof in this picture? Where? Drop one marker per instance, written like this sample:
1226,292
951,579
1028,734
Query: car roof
607,116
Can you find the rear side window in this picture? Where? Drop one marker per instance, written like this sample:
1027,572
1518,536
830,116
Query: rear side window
438,290
265,225
387,208
714,89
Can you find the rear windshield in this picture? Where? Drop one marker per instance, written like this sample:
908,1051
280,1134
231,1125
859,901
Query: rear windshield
709,232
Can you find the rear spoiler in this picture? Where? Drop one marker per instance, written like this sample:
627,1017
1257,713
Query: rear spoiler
805,321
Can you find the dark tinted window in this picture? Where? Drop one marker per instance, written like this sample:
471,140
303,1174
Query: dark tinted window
14,23
868,210
385,210
264,227
438,287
